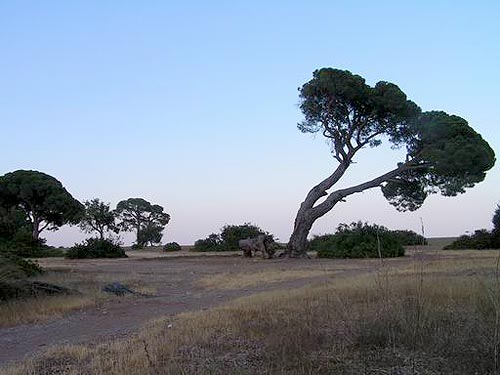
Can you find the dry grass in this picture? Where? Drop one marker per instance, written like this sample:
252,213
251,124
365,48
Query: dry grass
86,289
37,310
384,323
246,280
460,263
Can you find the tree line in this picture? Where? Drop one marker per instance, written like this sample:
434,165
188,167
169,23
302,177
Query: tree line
32,201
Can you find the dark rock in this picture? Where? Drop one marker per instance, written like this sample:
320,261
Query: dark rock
118,289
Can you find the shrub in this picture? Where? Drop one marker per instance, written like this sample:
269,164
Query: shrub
231,234
26,267
96,248
409,237
137,246
228,239
358,240
23,245
172,246
212,243
13,273
481,239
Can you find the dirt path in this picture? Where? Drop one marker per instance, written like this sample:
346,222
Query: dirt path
175,280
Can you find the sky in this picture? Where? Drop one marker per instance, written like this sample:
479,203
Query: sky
193,105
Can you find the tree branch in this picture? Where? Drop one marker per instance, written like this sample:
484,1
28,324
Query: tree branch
43,227
338,195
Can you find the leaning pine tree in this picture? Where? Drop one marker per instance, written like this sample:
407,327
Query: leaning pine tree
443,153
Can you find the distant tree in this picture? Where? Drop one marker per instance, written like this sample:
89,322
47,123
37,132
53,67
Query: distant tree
42,198
137,214
98,218
496,220
443,153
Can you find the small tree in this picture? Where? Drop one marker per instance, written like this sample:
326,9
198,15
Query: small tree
140,215
98,218
443,153
231,234
228,239
43,199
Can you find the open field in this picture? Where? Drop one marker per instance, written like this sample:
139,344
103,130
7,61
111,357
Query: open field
431,312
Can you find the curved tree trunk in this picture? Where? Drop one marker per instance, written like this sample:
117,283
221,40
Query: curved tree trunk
297,244
309,211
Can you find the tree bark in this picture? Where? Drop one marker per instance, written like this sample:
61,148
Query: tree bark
297,244
35,234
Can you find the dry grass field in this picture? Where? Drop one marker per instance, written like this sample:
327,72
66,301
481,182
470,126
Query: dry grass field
431,312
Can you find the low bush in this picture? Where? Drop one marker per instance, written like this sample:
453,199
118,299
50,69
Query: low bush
228,239
481,239
212,243
23,245
14,271
409,237
231,234
96,248
136,247
172,246
358,240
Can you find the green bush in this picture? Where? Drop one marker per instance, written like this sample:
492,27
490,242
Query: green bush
172,246
212,243
137,247
358,240
479,240
231,234
22,245
26,267
96,248
228,239
409,237
14,270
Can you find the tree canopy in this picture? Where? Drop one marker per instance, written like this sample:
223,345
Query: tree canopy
42,198
140,215
443,153
98,217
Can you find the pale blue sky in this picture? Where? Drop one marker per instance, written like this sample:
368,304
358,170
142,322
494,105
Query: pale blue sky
193,105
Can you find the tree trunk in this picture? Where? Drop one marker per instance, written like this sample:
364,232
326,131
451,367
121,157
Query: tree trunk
35,234
309,211
297,245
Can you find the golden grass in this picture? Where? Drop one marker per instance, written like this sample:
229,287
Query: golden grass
246,280
36,310
458,262
384,323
